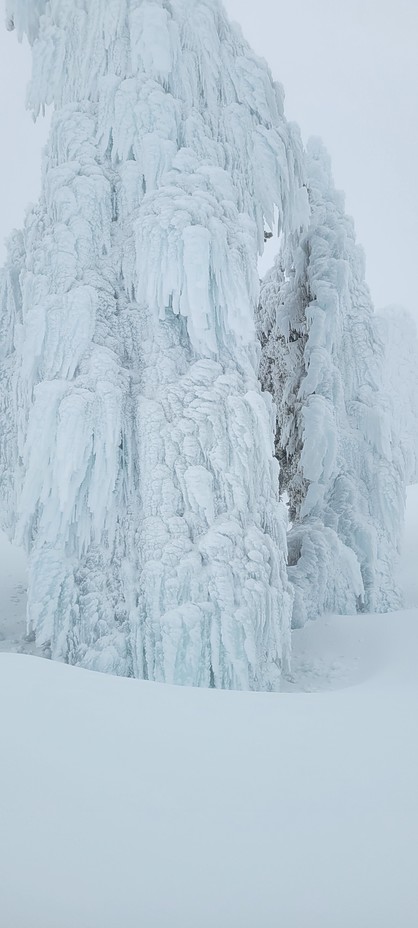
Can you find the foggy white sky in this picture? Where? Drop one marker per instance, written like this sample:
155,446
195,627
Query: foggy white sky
350,71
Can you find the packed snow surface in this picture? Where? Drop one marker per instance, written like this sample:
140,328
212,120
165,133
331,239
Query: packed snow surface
126,803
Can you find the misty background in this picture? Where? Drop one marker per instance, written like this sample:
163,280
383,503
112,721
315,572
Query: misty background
350,73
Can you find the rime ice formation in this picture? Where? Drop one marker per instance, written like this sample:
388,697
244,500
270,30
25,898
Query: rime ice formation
141,466
10,321
322,360
399,335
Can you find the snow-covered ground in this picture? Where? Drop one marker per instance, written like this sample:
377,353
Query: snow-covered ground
127,804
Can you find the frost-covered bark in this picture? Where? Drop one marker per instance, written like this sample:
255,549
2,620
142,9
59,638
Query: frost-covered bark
323,360
146,481
399,335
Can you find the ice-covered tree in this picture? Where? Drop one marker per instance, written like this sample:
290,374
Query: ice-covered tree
399,335
322,360
140,475
10,320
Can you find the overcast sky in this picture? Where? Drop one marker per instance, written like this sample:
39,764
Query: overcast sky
350,72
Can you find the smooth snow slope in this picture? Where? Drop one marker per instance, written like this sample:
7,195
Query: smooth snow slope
127,804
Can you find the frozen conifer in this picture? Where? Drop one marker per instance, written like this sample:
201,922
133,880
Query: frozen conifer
146,485
323,362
